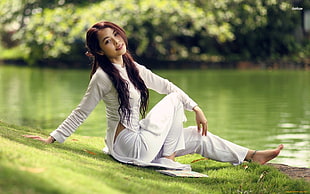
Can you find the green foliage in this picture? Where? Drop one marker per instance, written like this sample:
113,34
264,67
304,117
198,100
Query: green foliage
55,32
161,29
48,35
262,29
272,38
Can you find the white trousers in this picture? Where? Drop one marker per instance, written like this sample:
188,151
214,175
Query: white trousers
161,134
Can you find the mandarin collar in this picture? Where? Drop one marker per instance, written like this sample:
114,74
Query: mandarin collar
119,66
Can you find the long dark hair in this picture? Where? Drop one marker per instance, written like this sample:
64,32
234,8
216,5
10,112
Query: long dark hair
121,85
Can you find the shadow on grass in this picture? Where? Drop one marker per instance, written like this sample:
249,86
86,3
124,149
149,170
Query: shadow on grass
14,133
17,181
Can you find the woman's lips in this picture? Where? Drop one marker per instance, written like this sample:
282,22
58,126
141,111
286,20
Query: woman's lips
120,47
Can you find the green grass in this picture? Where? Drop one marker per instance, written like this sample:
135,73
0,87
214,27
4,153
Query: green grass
79,166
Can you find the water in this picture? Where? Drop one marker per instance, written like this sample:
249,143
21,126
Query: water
256,109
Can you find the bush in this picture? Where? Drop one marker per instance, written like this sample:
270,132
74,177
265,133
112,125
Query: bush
159,29
167,30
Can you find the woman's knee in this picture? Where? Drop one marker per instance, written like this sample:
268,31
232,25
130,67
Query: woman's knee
174,98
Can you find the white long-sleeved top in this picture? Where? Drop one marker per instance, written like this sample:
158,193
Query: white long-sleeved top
101,88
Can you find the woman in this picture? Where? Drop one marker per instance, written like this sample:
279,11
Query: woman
159,136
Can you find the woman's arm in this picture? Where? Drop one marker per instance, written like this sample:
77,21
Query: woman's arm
97,88
164,86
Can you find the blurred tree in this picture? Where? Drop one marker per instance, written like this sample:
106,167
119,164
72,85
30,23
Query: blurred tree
273,35
16,14
53,33
161,29
261,28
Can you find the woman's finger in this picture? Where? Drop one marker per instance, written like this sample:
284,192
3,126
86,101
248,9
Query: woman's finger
205,129
198,127
34,137
31,136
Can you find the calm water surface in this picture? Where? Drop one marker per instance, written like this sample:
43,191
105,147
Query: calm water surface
256,109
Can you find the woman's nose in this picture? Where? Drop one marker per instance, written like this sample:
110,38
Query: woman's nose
116,41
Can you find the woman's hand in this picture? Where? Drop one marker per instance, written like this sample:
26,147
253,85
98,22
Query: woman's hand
201,121
49,140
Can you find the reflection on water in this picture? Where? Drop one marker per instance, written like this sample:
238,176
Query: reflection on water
256,109
295,135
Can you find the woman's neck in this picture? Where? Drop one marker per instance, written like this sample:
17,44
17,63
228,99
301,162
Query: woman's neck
118,61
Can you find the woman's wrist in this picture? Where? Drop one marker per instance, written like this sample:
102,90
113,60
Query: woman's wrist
196,108
51,139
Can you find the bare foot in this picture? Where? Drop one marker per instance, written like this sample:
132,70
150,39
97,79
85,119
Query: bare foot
264,156
171,157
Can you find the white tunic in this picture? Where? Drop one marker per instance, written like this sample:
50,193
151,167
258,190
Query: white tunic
101,88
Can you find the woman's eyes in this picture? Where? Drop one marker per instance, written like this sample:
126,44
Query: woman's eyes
109,40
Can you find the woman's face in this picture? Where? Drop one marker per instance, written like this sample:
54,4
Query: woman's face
112,44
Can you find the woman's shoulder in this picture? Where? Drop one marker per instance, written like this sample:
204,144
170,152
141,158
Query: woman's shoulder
100,73
100,76
140,67
137,64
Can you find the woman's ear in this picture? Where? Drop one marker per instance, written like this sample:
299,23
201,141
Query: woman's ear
100,52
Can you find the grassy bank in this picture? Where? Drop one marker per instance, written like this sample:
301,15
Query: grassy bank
79,166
